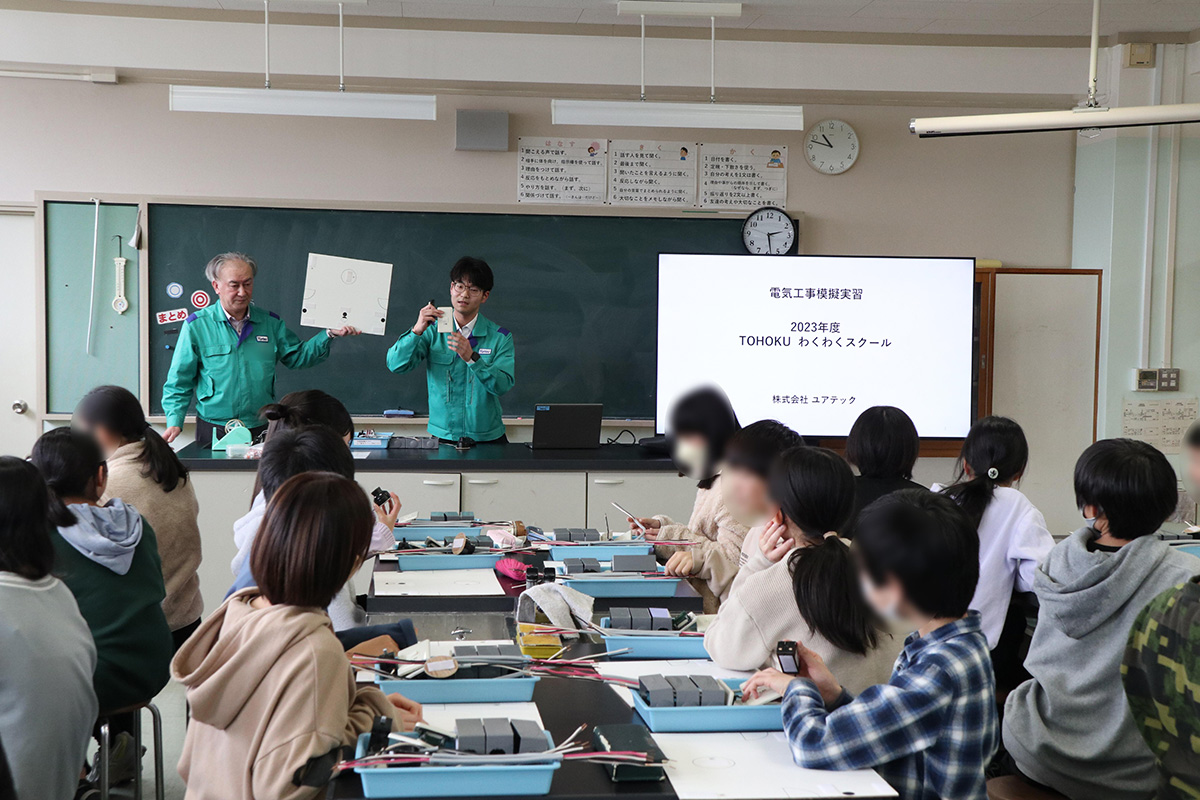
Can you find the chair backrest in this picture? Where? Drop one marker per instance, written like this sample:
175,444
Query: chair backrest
1011,787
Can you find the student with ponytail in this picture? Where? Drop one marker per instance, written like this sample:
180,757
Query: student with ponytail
803,584
144,472
1013,538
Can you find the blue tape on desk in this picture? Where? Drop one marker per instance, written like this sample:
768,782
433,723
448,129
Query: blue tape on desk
601,552
710,719
653,647
493,780
462,690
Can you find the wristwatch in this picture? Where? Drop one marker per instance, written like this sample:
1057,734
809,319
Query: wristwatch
474,356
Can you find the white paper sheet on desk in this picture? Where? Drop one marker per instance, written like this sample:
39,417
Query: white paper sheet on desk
636,669
346,291
445,715
438,583
754,766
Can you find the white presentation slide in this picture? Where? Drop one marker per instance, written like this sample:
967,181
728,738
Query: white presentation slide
813,341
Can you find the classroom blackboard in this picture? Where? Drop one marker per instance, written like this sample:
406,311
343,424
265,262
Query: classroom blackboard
579,293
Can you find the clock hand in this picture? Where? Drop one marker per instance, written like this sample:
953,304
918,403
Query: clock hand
825,143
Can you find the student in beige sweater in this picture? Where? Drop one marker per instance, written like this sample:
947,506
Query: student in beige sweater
802,585
702,423
272,694
144,472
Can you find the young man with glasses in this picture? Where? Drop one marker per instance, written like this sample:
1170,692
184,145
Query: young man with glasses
469,368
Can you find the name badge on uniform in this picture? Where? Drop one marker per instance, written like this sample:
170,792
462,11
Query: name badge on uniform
485,351
262,339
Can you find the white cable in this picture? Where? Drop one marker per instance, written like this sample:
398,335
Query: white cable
92,294
643,95
341,51
712,60
1094,55
267,42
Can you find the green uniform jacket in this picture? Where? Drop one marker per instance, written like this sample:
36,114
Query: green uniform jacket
233,376
464,398
124,613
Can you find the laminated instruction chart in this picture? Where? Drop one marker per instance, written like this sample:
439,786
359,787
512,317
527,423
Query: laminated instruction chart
637,172
1158,421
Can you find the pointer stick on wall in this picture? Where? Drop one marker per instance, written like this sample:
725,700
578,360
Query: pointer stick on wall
92,294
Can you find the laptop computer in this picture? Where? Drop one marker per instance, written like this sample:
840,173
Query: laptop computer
566,426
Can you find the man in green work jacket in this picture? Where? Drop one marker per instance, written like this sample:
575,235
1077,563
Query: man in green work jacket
469,368
226,355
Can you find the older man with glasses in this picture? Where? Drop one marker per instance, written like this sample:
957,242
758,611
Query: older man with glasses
227,352
469,367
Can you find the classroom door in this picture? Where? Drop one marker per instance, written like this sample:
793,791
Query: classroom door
18,309
1044,376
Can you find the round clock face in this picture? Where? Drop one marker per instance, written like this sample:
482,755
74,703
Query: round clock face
831,147
769,231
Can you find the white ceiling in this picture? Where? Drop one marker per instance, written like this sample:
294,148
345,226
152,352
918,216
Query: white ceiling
961,17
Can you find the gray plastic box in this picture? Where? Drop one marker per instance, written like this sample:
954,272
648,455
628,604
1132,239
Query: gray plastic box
656,691
498,733
470,738
529,737
686,692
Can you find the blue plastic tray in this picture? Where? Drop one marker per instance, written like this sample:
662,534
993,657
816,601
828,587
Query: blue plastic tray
483,781
710,719
439,533
601,551
462,690
416,562
652,647
624,587
1190,549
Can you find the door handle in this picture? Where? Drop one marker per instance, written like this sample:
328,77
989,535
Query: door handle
438,483
608,481
482,482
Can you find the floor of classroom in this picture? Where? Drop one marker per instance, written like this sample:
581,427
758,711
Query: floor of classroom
171,701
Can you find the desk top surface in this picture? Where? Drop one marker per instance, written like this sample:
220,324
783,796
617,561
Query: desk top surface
509,457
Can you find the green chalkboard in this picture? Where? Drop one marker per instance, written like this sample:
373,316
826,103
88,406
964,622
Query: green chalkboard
71,370
578,293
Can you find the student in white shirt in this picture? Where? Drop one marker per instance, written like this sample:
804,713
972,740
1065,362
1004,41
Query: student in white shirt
802,584
1013,538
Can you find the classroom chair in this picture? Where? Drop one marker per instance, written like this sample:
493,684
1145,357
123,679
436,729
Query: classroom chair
106,745
1011,787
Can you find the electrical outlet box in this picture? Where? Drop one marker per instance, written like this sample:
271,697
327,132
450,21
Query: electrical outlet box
1168,379
686,693
630,563
1145,380
469,736
1139,55
655,690
619,618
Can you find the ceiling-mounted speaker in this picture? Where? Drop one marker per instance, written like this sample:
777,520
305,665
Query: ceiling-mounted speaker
480,130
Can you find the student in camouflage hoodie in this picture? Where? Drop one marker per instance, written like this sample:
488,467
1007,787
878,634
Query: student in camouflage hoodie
1162,682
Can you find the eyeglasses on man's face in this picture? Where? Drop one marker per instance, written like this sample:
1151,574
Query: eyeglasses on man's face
458,287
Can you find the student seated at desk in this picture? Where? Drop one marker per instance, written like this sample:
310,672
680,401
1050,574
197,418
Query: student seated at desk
272,695
802,585
1069,727
107,556
297,410
702,423
746,493
314,449
883,446
47,657
1013,538
931,730
144,472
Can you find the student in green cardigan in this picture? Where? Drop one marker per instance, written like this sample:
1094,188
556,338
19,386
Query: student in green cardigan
469,368
108,557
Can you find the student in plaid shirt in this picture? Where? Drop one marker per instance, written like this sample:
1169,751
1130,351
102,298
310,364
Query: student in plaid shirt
932,729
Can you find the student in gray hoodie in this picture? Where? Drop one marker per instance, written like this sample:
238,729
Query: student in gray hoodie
1069,727
108,557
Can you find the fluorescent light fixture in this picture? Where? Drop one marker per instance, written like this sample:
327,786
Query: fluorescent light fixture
1074,119
659,8
645,114
298,103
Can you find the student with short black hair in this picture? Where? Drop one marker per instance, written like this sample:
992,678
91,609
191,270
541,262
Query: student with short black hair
883,446
1013,538
294,411
469,368
702,423
144,472
47,656
931,729
272,696
808,589
1069,727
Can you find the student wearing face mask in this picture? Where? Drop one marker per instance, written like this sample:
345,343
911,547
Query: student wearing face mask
702,423
805,586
